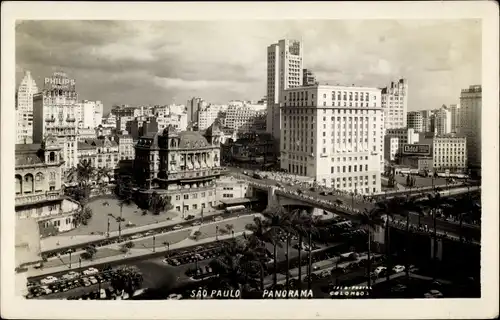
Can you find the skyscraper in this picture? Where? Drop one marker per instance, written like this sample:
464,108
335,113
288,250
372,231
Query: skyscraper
54,112
455,117
470,124
193,108
442,120
24,109
308,78
395,104
414,120
284,70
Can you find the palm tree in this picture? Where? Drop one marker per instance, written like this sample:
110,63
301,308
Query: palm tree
298,226
369,220
434,200
257,240
235,265
276,221
127,278
82,216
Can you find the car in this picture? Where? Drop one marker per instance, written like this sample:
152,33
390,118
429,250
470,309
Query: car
218,218
208,269
45,290
71,275
90,271
189,217
196,223
398,268
436,293
323,193
174,296
86,282
93,280
325,274
378,270
48,280
177,227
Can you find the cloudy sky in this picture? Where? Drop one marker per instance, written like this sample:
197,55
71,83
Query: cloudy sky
123,62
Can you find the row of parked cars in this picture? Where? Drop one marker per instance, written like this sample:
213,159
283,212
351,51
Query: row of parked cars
197,255
200,272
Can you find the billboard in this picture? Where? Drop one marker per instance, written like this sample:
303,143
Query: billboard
416,149
60,81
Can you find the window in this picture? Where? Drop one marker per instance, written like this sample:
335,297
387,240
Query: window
186,196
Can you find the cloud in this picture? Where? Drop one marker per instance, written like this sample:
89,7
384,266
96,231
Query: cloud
153,62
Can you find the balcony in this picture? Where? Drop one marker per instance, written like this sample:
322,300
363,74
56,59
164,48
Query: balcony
36,198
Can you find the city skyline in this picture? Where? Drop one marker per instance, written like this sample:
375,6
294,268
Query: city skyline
140,63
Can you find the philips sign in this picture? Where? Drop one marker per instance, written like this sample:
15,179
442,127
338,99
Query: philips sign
418,149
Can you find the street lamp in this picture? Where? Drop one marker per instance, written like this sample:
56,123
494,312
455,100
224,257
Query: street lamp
216,233
154,243
70,250
79,262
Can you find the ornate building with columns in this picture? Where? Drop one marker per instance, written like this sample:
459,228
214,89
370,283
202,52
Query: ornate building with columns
39,195
183,166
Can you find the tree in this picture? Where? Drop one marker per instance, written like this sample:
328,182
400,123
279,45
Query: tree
127,278
157,204
234,266
82,216
309,224
369,220
257,241
89,253
298,226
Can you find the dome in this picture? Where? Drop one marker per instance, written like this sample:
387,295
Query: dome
191,140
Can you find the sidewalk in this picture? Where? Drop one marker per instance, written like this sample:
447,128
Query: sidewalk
60,242
133,253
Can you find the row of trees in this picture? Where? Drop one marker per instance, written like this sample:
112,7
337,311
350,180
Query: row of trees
245,261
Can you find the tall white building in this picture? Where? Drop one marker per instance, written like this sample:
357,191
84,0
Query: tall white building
470,124
455,117
208,114
89,113
442,121
240,118
284,70
334,134
395,104
24,109
54,112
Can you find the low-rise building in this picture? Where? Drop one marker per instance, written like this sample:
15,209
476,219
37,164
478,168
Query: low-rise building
108,153
125,146
404,136
38,179
231,188
87,153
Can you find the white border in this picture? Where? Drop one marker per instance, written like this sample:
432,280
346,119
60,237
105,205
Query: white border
12,307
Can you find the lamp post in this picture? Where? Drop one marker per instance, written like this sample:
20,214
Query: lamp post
70,259
79,262
154,243
216,233
107,232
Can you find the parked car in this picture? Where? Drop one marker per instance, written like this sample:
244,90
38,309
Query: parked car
90,271
93,280
174,296
196,223
71,275
48,280
189,217
378,270
45,290
398,268
219,218
177,227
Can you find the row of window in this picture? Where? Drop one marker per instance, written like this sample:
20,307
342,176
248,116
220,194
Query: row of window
351,168
193,196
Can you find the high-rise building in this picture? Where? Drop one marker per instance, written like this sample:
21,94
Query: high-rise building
284,70
442,120
192,108
89,114
395,104
308,78
415,121
448,152
470,124
54,112
455,117
208,115
334,134
24,109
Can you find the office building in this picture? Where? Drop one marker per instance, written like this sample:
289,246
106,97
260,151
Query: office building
125,146
415,121
308,78
38,186
240,118
442,120
24,109
284,70
395,104
193,107
54,112
141,126
335,135
470,125
89,114
180,165
455,117
209,114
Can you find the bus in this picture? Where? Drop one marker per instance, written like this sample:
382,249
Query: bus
235,209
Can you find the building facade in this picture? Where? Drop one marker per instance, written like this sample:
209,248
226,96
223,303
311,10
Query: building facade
455,117
182,166
334,134
125,146
308,78
442,121
38,185
86,133
230,188
284,70
470,124
107,152
403,136
415,121
395,104
54,112
209,114
87,153
193,108
24,109
89,113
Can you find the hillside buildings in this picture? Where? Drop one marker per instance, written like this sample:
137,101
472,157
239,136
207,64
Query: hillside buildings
334,134
24,109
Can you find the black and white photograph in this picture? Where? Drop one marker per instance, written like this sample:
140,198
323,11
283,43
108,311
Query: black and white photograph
222,158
